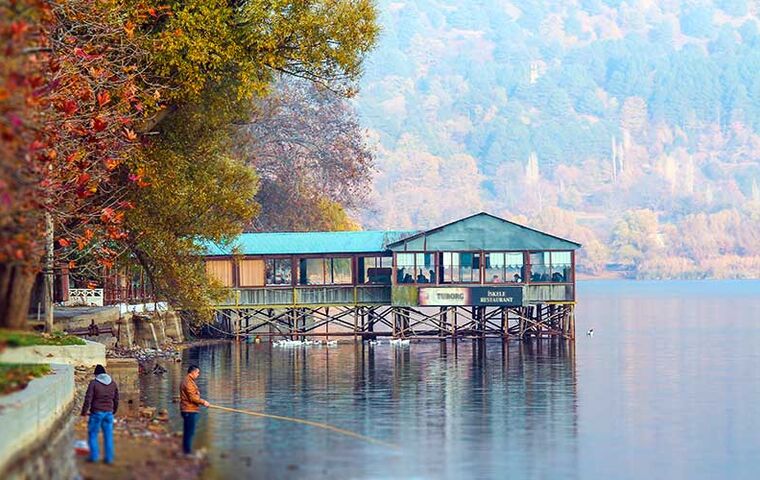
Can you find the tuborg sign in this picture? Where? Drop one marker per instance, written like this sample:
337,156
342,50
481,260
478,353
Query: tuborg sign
477,296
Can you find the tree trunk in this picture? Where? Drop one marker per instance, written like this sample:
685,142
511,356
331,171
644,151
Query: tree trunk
49,273
16,282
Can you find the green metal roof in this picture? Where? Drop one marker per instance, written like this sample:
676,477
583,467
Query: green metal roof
482,231
284,243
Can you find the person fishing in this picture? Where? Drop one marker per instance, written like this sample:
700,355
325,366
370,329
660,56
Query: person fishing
190,402
101,402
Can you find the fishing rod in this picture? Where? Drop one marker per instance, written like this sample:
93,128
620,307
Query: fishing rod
310,423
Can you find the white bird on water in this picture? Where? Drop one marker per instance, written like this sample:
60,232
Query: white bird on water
590,332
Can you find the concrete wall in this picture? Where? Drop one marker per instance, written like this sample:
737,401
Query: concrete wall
88,355
126,374
152,331
36,439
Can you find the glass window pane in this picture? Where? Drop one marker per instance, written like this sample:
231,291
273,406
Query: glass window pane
494,267
539,265
404,268
514,270
465,260
270,269
375,270
561,267
283,272
341,271
311,271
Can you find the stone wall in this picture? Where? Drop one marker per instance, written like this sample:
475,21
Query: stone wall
88,355
152,331
126,374
123,326
37,428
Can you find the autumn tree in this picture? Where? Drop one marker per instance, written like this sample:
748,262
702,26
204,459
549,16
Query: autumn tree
117,115
73,135
308,148
217,58
635,237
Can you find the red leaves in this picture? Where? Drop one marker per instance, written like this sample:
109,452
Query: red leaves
112,163
109,215
18,28
63,242
75,157
130,134
99,124
138,178
69,107
104,98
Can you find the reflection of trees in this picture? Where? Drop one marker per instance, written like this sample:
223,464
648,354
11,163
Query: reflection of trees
489,406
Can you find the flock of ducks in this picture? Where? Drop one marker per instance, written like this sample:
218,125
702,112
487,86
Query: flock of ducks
304,343
333,343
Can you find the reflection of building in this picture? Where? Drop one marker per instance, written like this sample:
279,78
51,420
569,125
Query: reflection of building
483,275
480,405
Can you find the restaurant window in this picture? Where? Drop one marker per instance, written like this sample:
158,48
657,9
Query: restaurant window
562,267
504,267
415,268
324,271
514,267
461,267
551,267
311,271
251,272
375,270
220,270
279,271
341,270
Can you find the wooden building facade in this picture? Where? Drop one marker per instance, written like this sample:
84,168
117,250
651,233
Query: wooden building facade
477,276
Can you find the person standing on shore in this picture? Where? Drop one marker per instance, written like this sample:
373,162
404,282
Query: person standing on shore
101,401
189,405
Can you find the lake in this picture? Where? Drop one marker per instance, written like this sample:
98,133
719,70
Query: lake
668,387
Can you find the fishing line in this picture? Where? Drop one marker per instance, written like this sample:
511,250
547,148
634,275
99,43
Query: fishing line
310,423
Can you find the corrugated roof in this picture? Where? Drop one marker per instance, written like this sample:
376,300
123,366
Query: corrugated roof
483,231
283,243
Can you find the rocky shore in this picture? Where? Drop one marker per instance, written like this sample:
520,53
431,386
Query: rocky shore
145,445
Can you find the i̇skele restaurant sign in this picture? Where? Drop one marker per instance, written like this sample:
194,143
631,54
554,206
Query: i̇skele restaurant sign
477,296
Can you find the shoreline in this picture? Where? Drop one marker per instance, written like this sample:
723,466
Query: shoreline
144,444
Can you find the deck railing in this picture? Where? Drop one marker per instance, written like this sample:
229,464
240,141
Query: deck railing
310,295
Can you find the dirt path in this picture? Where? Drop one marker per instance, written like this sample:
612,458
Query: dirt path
144,450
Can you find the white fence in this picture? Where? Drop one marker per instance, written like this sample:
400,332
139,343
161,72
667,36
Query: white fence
90,297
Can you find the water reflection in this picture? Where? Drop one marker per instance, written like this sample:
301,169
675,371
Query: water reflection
458,410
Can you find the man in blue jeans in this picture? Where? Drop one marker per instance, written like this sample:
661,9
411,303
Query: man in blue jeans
190,402
101,401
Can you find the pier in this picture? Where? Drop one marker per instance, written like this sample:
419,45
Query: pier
477,277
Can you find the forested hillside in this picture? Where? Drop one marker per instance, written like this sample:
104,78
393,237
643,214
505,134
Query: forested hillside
631,126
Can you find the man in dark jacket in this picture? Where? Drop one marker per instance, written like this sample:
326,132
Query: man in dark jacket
101,401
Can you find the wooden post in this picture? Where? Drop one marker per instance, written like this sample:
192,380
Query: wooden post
356,320
442,323
454,325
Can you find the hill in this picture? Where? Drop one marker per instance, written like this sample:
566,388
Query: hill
631,126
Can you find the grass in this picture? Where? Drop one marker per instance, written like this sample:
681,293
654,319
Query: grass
16,338
14,377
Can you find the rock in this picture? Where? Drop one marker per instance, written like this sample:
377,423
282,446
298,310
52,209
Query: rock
147,412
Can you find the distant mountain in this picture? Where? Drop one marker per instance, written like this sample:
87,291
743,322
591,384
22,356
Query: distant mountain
632,126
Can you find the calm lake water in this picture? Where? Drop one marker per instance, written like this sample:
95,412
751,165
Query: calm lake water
668,387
